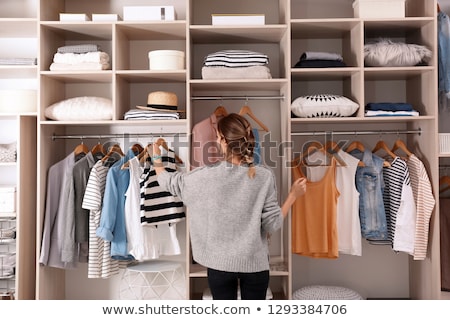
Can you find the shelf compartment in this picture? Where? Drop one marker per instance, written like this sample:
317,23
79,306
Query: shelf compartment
134,41
341,36
238,34
19,9
18,28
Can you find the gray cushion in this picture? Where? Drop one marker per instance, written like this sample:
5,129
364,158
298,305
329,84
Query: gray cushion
318,292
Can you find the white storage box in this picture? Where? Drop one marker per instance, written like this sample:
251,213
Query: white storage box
73,17
444,143
238,19
166,60
105,17
7,198
376,9
145,13
17,101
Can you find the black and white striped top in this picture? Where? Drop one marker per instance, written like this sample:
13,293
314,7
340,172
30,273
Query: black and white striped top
235,59
159,206
394,176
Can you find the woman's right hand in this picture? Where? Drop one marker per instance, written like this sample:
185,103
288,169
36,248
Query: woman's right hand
298,187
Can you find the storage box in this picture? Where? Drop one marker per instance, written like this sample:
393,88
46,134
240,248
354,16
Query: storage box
145,13
105,17
73,17
376,9
18,101
166,60
238,19
7,198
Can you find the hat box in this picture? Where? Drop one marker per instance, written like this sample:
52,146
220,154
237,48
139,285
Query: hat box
166,60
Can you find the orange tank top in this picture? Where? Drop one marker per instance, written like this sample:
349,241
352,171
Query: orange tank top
314,227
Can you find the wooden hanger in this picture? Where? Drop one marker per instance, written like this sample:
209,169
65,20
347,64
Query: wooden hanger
438,8
356,145
444,182
381,145
332,148
98,149
163,143
399,144
114,149
137,148
312,147
245,110
81,149
220,112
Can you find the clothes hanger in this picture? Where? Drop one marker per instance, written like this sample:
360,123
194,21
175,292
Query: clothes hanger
245,110
114,149
98,150
220,112
332,148
381,145
161,142
81,149
356,145
444,182
137,148
400,144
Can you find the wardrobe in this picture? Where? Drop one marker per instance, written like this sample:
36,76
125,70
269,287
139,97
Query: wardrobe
291,27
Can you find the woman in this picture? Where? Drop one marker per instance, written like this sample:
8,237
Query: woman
232,207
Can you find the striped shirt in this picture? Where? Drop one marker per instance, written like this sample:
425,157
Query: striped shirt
425,202
395,176
100,263
157,205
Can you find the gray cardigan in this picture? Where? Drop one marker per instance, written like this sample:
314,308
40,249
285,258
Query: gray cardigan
229,214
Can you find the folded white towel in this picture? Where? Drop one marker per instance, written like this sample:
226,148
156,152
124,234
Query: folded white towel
75,58
85,66
255,72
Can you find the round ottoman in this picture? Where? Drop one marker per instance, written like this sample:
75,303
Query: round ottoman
325,293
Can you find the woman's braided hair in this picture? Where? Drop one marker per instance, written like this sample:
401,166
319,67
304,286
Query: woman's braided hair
238,134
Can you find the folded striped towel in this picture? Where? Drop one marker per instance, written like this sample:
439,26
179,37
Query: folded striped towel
235,58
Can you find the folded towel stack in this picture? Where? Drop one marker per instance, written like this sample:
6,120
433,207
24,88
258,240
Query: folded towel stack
87,57
236,64
139,114
389,109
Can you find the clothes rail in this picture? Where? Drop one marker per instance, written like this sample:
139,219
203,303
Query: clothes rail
238,97
379,132
118,135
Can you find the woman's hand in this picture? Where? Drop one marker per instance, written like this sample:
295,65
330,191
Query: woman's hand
298,188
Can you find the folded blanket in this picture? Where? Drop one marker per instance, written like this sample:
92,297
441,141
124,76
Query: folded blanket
85,66
18,61
79,48
382,113
255,72
313,55
389,106
235,59
75,58
319,64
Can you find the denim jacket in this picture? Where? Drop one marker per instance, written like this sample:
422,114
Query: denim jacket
369,183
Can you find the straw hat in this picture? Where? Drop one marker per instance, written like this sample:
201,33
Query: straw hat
161,101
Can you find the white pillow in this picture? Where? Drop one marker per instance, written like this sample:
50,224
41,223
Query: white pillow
323,106
386,53
80,108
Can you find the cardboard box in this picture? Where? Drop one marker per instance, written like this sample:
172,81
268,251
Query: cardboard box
148,13
377,9
238,19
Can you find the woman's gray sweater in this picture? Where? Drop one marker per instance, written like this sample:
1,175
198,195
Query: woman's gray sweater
229,214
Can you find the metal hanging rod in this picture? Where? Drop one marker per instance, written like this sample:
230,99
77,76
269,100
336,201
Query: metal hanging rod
238,97
379,132
117,136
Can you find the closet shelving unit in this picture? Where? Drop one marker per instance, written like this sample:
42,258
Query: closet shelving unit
314,29
18,33
292,26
